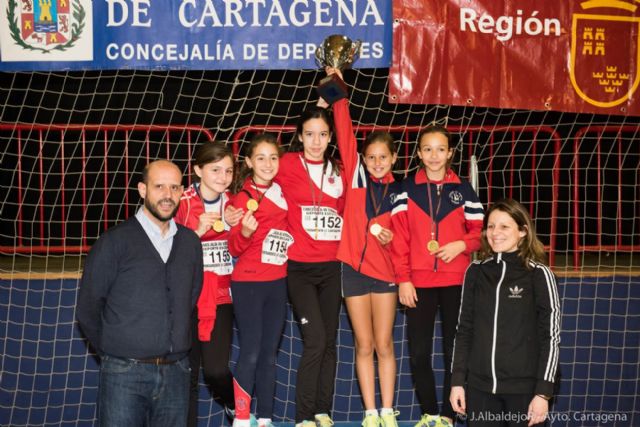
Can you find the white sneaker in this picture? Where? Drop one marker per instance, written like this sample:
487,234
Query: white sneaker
389,419
323,420
251,422
371,421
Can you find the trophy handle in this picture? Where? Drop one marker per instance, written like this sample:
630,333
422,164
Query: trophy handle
355,50
320,56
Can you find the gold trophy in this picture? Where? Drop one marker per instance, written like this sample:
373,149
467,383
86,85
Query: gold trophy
340,52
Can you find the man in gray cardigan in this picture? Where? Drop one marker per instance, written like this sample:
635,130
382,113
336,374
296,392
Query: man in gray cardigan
140,283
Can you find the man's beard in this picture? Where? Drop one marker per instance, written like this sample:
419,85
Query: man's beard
153,211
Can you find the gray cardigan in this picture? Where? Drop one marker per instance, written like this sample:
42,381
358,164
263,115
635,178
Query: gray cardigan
133,305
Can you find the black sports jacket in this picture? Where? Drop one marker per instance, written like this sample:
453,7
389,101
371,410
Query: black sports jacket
509,328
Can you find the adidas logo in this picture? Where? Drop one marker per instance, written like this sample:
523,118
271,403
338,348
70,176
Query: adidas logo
516,292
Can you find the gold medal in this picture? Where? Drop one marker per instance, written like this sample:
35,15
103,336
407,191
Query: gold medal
375,229
433,245
252,205
218,226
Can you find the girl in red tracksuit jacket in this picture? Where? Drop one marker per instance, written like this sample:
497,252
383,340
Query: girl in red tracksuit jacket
314,189
202,209
437,221
259,279
368,281
506,349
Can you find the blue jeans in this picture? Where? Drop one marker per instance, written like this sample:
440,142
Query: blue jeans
138,394
260,309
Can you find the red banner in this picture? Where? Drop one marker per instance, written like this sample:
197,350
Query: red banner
569,55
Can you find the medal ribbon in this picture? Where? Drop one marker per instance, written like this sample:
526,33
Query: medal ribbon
260,193
316,207
431,213
203,201
374,201
221,215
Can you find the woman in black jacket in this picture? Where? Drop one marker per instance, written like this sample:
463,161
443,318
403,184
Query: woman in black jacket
506,348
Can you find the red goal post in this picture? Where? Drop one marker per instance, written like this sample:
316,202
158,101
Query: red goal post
58,162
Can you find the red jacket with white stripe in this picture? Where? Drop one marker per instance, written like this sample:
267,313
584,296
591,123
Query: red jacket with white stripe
359,248
263,256
215,287
315,215
459,217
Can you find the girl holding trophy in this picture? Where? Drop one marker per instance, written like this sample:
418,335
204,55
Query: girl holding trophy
314,189
368,281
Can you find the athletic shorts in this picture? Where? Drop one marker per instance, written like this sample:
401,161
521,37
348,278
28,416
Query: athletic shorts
355,284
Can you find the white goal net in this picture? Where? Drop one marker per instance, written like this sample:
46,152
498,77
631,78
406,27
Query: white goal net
72,145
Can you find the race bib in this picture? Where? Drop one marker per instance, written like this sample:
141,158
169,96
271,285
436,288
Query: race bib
275,246
321,223
216,257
